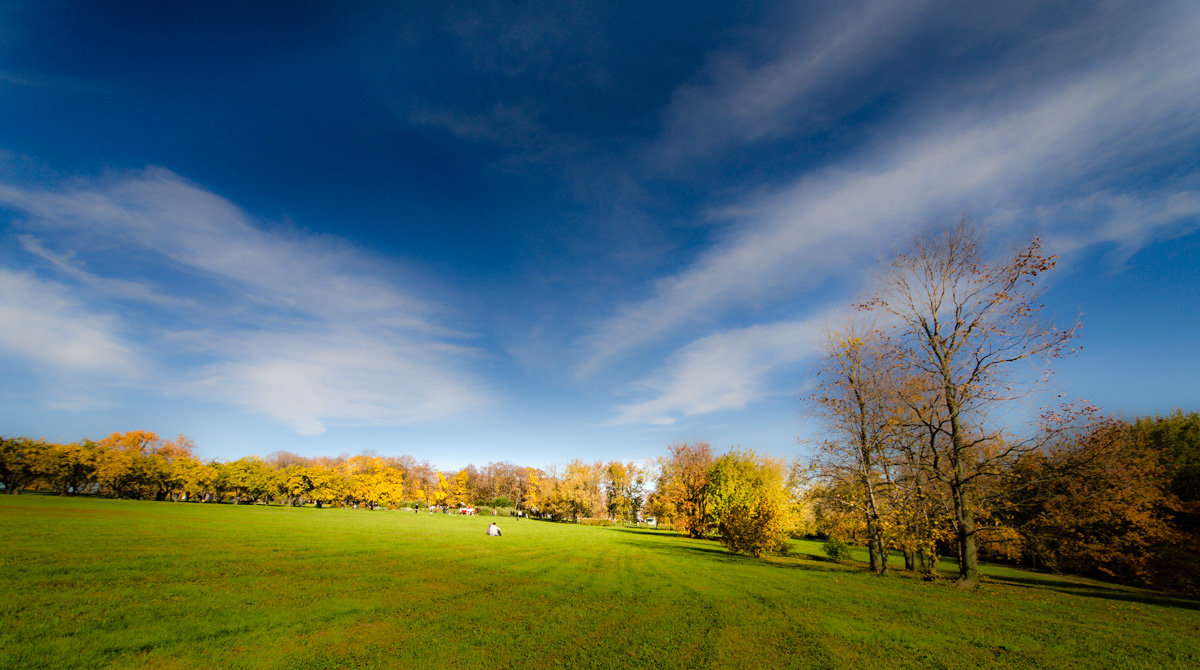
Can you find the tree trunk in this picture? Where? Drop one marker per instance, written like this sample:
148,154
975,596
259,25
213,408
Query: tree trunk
968,560
875,549
964,516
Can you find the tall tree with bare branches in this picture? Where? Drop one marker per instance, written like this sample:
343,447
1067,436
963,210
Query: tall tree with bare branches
964,326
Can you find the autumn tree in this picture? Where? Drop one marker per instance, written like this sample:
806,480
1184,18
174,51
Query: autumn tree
683,486
281,460
329,483
121,461
749,503
1099,501
248,477
420,480
19,459
441,492
1176,440
577,493
385,484
374,481
68,468
460,489
293,483
857,403
198,479
532,488
918,501
832,515
502,482
803,507
965,324
624,485
164,464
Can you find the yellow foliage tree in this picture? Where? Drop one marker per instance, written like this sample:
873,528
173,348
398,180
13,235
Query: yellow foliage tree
69,468
442,493
533,489
749,502
120,461
460,493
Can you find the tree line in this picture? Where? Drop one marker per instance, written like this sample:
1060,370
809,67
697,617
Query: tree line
917,393
142,465
740,497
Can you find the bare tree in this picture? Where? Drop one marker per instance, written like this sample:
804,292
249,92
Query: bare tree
964,325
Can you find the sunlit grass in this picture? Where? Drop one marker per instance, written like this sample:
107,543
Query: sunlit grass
92,583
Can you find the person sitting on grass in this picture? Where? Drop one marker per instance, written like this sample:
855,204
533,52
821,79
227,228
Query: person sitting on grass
494,530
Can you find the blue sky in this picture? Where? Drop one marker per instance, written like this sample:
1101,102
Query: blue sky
532,232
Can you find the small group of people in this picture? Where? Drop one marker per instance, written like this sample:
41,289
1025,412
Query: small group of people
494,530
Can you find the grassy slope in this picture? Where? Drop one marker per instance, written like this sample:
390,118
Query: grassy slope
90,583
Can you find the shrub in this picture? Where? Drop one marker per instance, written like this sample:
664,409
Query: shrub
836,550
754,532
597,522
748,501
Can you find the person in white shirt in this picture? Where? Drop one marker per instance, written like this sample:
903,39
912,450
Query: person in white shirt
494,530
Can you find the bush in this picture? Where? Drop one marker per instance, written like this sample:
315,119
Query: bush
597,522
753,532
748,500
836,550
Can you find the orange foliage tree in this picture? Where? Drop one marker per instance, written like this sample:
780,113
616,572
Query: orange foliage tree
683,486
1099,501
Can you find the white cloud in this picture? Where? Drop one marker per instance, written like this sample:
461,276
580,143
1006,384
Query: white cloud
737,102
302,329
1128,221
726,370
347,376
68,266
1074,136
41,322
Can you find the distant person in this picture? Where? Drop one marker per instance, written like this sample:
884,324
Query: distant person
494,530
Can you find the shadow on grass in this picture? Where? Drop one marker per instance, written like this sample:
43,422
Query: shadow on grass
1097,591
644,531
723,555
817,563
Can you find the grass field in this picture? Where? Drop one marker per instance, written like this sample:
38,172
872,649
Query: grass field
110,583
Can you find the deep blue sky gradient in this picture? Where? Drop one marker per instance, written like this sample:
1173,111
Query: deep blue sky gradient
483,231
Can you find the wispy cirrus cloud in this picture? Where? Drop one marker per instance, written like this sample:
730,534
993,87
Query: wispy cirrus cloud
339,373
736,101
41,321
1060,142
306,330
723,371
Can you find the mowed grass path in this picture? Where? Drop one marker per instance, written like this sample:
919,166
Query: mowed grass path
108,583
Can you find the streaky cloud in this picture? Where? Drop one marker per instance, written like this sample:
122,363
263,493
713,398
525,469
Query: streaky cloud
723,371
306,330
737,103
43,323
1001,163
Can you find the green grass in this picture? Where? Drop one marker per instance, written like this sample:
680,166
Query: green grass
108,583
